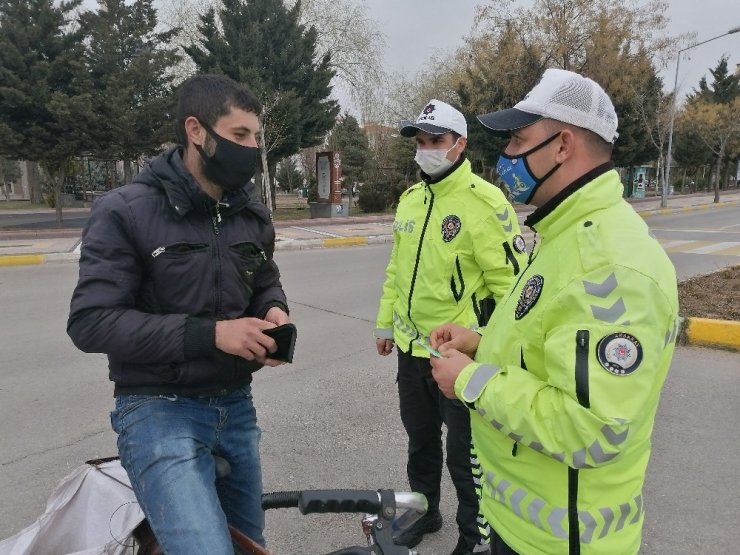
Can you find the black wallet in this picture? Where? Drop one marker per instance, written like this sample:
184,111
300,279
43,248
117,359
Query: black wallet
285,337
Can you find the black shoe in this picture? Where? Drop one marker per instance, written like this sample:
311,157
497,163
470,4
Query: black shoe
462,549
430,522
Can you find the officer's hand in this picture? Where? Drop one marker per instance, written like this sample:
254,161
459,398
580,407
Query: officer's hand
243,337
445,370
454,336
384,346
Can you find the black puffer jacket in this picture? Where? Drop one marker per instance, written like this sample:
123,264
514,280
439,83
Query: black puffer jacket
160,264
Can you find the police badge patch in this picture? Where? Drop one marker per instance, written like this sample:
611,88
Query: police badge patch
450,227
519,244
619,353
530,293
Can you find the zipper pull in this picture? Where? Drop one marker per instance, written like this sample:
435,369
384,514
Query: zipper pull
156,252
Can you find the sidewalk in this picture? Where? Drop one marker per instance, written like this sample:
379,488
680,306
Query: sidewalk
25,247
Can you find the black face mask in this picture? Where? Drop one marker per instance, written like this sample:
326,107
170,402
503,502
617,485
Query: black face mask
232,165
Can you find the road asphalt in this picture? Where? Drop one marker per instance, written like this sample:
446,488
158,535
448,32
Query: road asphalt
32,246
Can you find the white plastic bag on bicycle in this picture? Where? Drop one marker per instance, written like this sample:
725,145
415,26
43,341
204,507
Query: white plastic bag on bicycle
93,511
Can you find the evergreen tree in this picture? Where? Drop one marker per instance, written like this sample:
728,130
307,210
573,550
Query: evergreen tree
10,171
45,98
288,176
130,62
262,44
352,144
725,87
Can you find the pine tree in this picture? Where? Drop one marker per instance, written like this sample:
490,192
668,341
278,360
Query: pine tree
725,87
129,62
352,143
45,99
288,176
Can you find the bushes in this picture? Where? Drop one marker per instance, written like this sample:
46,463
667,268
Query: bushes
377,197
372,198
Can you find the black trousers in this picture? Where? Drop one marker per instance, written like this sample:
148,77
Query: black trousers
423,410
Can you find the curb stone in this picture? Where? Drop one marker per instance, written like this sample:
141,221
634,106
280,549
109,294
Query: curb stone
707,332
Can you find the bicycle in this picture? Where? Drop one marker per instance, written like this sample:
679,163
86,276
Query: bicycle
385,511
100,493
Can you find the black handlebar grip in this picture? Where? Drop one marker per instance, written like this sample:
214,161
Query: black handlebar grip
339,501
280,500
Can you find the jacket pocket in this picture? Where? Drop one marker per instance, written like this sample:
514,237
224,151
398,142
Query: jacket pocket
581,369
248,258
179,275
457,281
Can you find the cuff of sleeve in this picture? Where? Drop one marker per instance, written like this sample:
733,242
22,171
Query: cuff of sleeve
269,305
200,337
383,333
473,379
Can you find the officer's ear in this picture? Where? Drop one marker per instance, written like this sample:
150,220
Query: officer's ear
567,143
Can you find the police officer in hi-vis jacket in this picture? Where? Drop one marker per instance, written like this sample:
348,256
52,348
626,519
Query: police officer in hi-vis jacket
457,249
565,380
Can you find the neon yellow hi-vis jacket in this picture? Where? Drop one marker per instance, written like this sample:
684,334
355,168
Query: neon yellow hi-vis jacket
568,375
457,248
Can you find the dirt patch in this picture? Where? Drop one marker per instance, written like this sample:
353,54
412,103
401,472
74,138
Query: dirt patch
715,295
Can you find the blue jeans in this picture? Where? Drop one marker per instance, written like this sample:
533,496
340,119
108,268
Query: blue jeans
167,443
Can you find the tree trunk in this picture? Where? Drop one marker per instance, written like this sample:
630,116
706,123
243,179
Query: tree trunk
127,171
630,185
271,169
265,182
58,198
717,174
695,187
34,185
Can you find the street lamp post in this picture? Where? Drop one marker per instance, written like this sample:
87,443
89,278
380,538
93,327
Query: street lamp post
669,158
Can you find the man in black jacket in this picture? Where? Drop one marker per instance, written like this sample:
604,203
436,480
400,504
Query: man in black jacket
177,283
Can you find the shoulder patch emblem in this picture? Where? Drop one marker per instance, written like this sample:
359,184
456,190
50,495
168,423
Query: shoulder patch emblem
519,244
619,353
450,227
529,296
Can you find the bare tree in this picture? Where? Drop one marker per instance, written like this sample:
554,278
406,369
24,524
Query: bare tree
718,126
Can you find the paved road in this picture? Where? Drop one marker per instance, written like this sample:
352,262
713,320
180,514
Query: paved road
699,242
331,419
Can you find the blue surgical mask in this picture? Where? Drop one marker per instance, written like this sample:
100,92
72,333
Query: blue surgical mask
516,175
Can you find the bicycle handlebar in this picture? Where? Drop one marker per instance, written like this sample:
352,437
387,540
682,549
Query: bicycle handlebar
340,501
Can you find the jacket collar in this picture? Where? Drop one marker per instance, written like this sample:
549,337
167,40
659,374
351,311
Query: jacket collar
596,190
168,172
449,179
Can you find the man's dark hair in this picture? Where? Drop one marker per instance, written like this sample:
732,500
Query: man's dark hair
208,97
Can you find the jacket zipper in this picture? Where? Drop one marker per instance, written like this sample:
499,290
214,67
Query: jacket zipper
582,394
216,220
416,263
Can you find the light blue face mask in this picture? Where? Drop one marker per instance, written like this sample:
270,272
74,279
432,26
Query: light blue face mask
516,175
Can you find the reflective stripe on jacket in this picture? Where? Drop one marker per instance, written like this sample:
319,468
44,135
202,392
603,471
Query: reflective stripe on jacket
455,253
568,375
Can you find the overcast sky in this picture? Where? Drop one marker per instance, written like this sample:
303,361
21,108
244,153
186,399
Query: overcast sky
416,28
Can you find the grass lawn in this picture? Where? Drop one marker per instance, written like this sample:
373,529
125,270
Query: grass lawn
21,205
289,206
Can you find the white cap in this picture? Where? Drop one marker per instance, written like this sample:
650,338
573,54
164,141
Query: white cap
437,118
562,96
